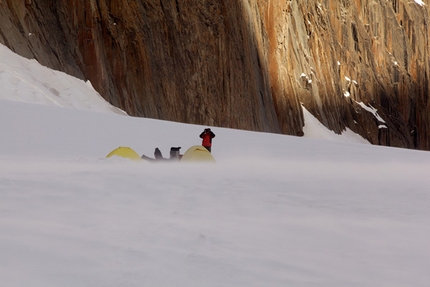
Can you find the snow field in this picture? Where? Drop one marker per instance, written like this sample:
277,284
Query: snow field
274,210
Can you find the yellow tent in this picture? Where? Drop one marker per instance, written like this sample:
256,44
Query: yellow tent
197,153
125,152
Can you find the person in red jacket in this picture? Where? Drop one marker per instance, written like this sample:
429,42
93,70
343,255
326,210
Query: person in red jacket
207,135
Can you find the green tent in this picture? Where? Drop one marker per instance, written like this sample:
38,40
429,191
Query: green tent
197,153
125,152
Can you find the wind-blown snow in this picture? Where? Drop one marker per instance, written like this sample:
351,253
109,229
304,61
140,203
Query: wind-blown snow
273,211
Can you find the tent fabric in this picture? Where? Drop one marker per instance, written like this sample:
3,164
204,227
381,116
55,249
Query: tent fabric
125,152
197,153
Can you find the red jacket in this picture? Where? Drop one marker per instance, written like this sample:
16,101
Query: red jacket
207,137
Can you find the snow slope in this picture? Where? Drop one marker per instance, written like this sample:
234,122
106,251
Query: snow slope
273,211
27,81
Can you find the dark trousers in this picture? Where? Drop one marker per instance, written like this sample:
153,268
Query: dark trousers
208,148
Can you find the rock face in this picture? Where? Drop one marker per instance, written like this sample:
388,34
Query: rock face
247,64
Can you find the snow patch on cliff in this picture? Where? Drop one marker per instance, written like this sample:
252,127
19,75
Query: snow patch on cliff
372,110
420,2
315,129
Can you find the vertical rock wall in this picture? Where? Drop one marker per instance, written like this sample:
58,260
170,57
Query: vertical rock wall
359,64
248,64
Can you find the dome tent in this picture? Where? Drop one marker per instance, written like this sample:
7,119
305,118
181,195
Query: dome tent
197,153
125,152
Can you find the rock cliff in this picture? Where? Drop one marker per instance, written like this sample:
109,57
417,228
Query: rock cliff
247,64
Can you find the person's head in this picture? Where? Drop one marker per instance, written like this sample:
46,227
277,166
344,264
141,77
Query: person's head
207,130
